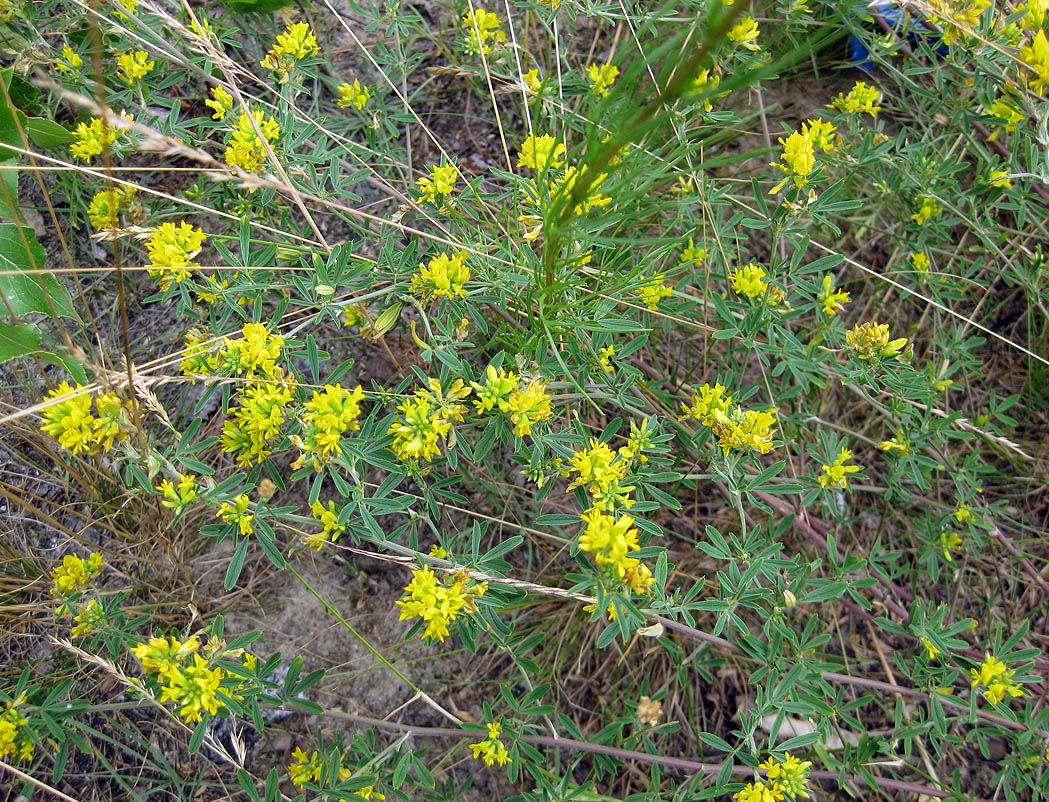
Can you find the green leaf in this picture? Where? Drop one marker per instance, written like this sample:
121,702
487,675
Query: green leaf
16,341
47,133
713,740
20,250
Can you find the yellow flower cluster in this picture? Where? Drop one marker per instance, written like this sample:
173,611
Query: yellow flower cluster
861,98
833,300
328,414
693,255
949,542
444,276
601,77
327,517
16,737
600,469
103,211
185,676
254,355
355,94
91,138
527,405
238,512
611,540
220,102
929,209
870,341
749,280
71,423
837,473
178,496
491,750
735,427
1034,19
483,31
436,604
296,43
957,16
788,778
425,418
438,182
799,152
70,61
310,768
540,153
745,33
133,66
256,421
1036,56
652,290
74,574
898,442
171,251
246,149
88,617
1008,115
997,678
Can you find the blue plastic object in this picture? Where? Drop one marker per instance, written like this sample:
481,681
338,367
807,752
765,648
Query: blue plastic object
900,21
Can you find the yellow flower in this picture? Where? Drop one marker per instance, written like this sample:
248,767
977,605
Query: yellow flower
799,158
929,209
871,341
602,76
709,405
69,420
74,574
355,94
439,182
91,138
491,749
220,102
1036,56
483,30
328,517
997,678
162,656
1008,117
418,429
305,768
746,429
605,357
171,250
1000,178
238,512
327,416
788,777
693,255
178,496
110,423
72,61
837,472
526,406
104,208
193,688
245,148
436,604
256,420
532,81
963,513
498,384
88,616
444,276
296,43
949,541
133,66
745,33
821,132
652,290
833,300
540,153
919,261
1035,16
899,443
861,98
930,647
749,281
758,791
